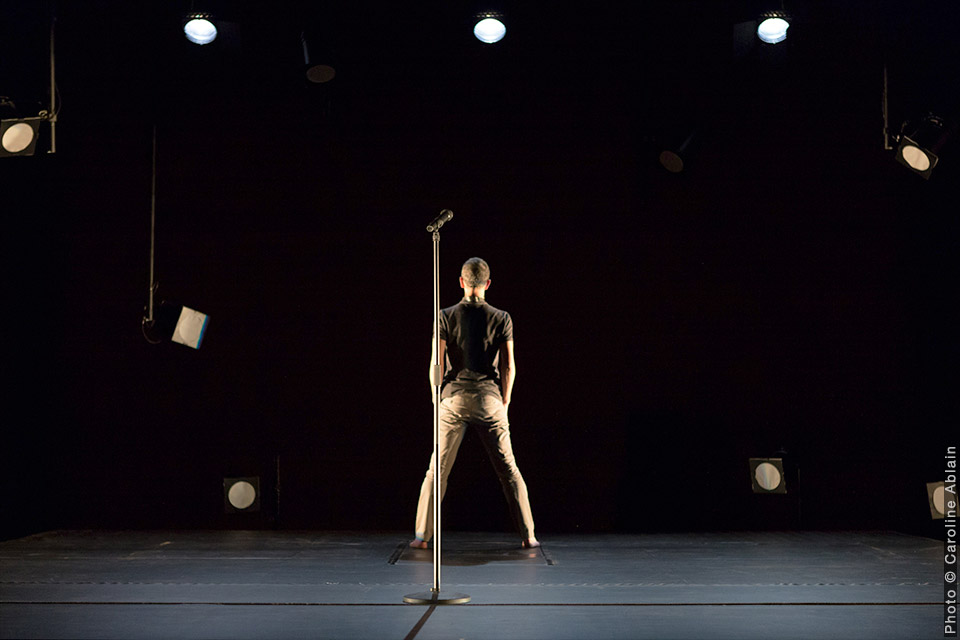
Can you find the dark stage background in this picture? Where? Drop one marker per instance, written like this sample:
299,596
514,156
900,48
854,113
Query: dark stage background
792,289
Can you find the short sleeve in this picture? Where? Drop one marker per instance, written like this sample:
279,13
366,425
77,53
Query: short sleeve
443,327
507,327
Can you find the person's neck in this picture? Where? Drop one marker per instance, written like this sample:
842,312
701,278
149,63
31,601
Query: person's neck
473,293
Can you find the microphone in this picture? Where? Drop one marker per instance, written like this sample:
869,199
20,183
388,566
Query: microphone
444,216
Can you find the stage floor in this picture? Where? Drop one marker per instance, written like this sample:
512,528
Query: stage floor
344,586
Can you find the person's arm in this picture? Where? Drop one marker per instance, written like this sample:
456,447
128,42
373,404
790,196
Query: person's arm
433,359
508,372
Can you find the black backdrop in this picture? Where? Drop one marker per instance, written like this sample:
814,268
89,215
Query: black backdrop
792,290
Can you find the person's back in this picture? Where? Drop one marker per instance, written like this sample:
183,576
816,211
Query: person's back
474,332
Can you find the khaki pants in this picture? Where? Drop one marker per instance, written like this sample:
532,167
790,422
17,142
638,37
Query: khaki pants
487,415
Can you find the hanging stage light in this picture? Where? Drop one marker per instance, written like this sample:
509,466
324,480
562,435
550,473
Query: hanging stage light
317,58
676,154
172,321
920,148
178,323
773,27
489,27
18,137
199,28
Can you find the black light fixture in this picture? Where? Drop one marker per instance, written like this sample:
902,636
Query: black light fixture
318,59
920,144
676,154
767,475
18,136
241,495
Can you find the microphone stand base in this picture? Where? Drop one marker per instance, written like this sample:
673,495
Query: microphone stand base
436,598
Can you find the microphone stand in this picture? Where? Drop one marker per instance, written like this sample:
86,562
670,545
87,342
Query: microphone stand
435,596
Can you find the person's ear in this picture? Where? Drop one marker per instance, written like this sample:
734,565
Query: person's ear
487,286
462,285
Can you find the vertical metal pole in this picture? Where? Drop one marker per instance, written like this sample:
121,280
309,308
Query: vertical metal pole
153,224
147,321
437,369
53,85
886,114
276,522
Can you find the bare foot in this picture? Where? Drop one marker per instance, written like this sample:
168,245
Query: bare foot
417,543
530,543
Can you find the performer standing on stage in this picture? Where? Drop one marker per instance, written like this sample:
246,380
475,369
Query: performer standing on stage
476,354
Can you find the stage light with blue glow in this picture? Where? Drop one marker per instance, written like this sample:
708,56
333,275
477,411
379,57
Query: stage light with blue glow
489,29
773,28
199,29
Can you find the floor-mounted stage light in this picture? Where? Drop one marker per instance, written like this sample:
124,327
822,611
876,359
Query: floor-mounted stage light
241,494
920,145
199,28
18,137
767,476
489,28
936,499
772,27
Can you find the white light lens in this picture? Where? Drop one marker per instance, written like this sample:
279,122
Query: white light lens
18,137
767,476
200,31
242,495
190,327
489,30
773,30
911,155
938,500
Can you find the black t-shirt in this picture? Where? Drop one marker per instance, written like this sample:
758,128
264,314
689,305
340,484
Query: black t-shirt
474,332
